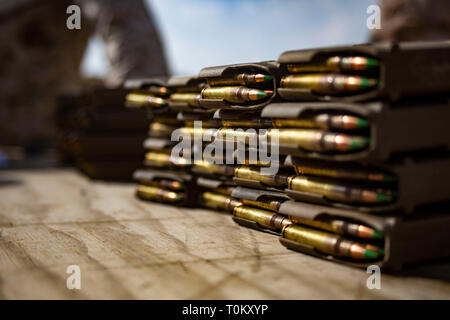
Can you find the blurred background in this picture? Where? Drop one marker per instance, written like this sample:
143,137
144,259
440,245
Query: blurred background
41,59
201,33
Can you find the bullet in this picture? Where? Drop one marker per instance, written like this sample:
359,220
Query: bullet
340,227
137,100
159,91
258,163
340,192
295,123
229,134
219,201
158,194
241,160
343,171
264,218
267,204
157,159
332,244
173,185
241,79
191,99
212,168
158,129
197,131
352,63
253,123
226,134
237,95
317,140
163,159
308,139
340,122
254,173
329,84
336,64
324,121
223,190
245,160
212,123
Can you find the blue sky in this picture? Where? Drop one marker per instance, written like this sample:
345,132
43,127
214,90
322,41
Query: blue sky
201,33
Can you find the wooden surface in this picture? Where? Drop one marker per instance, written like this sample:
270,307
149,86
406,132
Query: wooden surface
131,249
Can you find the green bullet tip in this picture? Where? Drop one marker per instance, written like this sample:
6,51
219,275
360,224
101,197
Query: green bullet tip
362,123
389,178
383,197
358,143
368,82
267,77
377,234
261,94
370,254
372,63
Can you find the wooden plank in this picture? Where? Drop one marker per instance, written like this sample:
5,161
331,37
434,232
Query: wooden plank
130,249
66,196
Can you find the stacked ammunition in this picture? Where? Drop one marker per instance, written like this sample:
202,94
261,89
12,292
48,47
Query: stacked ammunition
246,86
349,147
331,150
375,145
350,185
98,135
164,177
333,76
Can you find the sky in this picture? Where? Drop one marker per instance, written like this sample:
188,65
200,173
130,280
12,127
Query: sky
202,33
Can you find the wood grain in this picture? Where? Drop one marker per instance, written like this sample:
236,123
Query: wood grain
129,249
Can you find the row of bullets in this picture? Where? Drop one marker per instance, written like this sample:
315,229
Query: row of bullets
310,140
333,76
324,84
317,114
328,235
239,89
336,75
155,99
236,89
331,236
320,131
351,185
329,187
